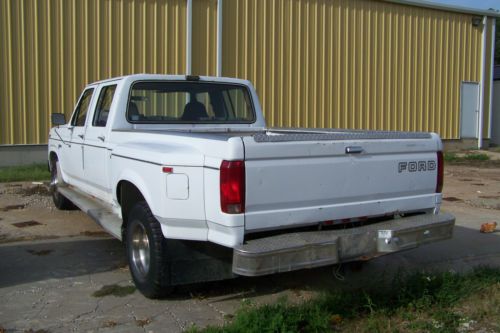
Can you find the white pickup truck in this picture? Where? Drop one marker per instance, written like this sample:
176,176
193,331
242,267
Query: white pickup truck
185,172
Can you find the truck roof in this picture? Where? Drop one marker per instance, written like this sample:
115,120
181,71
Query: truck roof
145,76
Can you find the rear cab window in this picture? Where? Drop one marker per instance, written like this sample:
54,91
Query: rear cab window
167,102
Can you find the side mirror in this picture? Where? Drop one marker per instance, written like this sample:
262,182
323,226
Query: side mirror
58,119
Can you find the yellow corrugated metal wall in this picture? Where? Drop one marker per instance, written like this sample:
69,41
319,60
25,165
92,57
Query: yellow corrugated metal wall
204,38
353,63
50,49
315,63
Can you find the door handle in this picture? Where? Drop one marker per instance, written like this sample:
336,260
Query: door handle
354,150
101,137
80,136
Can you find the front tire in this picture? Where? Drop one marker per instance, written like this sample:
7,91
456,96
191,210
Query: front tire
146,252
60,201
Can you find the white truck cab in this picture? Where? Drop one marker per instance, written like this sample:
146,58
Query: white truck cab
184,170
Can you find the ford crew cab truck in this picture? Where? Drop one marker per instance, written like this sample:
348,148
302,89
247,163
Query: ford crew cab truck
185,172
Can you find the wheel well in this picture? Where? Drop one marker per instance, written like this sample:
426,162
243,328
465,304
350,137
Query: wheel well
52,158
127,195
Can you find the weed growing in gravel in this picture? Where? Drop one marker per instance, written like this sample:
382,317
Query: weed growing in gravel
114,290
450,157
410,303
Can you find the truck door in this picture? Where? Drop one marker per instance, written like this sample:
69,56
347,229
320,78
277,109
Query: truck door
72,162
96,153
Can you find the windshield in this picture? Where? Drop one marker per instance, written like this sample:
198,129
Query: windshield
189,102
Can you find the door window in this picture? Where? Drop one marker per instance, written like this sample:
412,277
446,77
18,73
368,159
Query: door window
82,108
103,106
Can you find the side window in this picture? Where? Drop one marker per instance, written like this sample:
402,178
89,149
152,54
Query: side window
82,108
103,106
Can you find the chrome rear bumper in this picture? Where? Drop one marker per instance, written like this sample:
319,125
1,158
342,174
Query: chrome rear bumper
300,250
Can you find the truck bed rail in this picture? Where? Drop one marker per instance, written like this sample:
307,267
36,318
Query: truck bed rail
315,134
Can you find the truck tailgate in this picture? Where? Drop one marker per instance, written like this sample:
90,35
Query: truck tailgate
302,178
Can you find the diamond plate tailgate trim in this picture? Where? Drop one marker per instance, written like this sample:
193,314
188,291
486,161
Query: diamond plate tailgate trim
285,135
300,250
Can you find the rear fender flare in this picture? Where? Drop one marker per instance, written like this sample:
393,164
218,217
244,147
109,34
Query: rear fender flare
135,179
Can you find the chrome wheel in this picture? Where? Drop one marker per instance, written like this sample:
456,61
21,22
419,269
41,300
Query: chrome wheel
146,252
140,249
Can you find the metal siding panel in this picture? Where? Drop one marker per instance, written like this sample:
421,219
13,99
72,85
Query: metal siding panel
204,37
6,100
356,64
51,49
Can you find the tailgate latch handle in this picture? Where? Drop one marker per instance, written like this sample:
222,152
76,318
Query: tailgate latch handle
354,150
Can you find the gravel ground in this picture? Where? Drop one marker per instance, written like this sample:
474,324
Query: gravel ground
27,213
472,186
30,195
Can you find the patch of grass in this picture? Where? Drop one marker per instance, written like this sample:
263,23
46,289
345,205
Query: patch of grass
114,290
450,157
413,303
467,157
476,157
34,172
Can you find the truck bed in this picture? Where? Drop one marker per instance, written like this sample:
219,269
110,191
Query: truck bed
299,177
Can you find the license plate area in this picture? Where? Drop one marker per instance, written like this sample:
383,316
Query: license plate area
403,239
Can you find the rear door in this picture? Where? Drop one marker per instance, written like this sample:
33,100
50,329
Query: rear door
97,151
469,104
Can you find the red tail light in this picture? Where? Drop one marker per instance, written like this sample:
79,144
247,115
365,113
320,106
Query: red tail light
232,187
440,172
